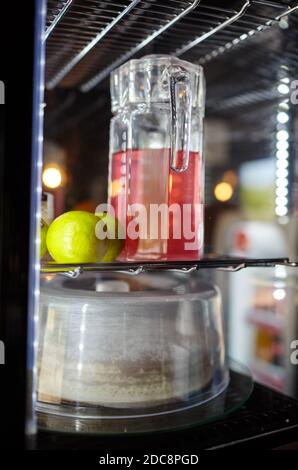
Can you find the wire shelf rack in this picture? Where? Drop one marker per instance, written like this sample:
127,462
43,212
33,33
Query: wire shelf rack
186,267
87,39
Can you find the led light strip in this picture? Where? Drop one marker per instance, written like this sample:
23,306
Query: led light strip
282,148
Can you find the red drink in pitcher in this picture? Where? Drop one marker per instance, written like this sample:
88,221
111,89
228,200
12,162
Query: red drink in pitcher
168,222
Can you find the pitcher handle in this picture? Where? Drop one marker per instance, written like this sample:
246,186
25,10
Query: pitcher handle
181,107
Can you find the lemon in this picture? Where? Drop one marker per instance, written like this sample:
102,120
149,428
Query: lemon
115,244
71,238
43,235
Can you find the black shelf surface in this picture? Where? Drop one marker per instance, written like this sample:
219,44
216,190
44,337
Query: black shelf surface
267,420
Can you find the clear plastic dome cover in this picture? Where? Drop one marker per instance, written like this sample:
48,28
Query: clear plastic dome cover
115,344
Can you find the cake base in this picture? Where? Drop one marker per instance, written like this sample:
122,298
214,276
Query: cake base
198,409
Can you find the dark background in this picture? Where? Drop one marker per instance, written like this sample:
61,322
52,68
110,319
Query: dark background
17,74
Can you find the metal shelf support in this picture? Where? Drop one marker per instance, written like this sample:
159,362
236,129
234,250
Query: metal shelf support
186,267
76,59
87,86
122,49
235,42
57,19
198,40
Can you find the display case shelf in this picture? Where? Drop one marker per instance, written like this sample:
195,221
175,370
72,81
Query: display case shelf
134,268
190,29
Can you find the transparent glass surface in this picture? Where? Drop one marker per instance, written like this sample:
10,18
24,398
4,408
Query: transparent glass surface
113,346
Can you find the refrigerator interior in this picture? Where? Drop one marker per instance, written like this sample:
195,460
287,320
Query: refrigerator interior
248,50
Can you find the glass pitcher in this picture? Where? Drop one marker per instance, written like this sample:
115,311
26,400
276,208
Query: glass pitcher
156,173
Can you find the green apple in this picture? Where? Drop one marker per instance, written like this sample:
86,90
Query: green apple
111,225
71,238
